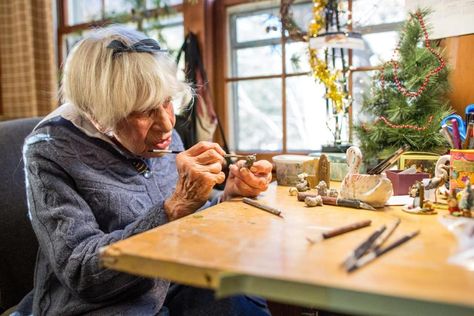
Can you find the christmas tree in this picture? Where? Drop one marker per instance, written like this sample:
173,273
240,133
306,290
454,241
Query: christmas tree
408,98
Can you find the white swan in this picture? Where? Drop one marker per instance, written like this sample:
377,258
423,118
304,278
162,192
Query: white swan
373,189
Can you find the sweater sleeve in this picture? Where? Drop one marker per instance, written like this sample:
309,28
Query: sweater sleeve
69,235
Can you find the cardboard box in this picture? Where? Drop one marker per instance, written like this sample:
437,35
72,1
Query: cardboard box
402,182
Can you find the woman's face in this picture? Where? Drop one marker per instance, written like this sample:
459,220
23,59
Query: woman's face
141,132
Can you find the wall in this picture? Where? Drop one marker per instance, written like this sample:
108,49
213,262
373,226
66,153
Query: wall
460,53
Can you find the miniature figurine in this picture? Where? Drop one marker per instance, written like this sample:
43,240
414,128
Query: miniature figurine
293,191
438,181
249,160
322,188
466,204
312,201
453,207
333,193
302,186
419,205
324,170
417,192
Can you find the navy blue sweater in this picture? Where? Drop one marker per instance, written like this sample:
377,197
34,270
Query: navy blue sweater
85,193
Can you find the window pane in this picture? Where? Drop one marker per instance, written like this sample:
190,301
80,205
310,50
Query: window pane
113,7
306,114
70,40
302,15
82,11
257,110
379,49
297,58
372,12
168,30
361,85
257,61
150,4
258,26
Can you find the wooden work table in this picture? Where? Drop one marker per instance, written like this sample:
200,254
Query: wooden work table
236,248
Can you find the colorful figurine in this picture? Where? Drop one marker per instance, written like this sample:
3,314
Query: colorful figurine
453,207
419,205
437,181
466,204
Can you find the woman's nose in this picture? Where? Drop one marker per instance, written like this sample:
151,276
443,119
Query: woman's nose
163,121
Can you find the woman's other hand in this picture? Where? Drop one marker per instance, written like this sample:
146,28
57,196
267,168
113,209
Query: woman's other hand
199,169
245,182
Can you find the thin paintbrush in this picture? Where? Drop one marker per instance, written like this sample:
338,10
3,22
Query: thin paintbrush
380,251
387,162
167,151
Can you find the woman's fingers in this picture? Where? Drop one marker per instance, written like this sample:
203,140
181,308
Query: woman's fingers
261,167
202,146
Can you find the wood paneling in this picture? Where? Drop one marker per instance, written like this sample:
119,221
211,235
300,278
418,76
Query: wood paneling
460,51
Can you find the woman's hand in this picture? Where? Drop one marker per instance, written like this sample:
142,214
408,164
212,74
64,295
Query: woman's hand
199,169
245,182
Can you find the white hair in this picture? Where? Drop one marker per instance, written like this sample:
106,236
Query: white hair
108,88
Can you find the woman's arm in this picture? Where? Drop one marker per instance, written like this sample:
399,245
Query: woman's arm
69,235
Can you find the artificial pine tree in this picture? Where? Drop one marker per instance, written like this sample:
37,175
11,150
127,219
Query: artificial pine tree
408,98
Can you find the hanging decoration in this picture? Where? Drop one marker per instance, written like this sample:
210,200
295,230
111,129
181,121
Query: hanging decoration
321,71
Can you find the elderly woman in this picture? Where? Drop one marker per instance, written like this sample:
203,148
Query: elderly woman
93,179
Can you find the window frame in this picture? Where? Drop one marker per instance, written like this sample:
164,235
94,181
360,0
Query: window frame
64,29
223,64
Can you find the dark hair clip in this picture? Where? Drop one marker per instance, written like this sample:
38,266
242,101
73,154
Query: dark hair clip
147,45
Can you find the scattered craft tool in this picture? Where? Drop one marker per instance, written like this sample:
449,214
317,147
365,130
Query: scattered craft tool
340,230
264,207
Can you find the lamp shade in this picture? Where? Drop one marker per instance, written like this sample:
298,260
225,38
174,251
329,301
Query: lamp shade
349,40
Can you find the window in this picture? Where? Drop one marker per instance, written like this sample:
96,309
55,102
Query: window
76,17
274,104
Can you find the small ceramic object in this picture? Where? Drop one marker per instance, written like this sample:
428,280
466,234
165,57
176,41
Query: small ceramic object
324,171
466,204
293,191
322,188
420,205
438,180
333,193
372,189
302,186
249,160
312,201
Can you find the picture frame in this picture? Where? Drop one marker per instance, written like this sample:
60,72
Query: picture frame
424,161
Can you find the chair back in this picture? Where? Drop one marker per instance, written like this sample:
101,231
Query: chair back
18,245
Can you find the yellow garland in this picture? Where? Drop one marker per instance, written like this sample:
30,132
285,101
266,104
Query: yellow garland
320,70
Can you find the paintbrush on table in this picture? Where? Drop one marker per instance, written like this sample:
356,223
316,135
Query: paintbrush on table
380,251
263,207
340,230
360,250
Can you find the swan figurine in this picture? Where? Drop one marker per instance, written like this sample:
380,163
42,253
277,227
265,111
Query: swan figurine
373,189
